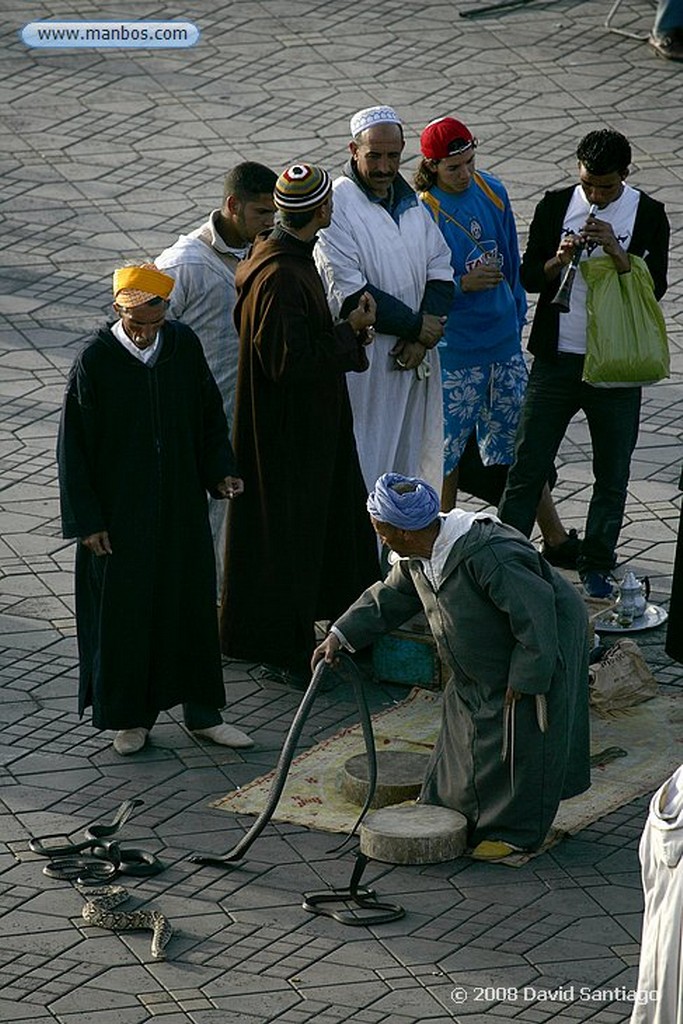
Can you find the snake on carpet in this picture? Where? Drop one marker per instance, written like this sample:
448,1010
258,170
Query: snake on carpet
98,910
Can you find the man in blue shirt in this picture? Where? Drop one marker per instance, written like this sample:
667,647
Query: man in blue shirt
483,370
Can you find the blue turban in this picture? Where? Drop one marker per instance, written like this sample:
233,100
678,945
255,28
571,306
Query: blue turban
403,501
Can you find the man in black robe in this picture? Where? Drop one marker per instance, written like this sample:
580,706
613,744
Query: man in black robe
299,545
142,438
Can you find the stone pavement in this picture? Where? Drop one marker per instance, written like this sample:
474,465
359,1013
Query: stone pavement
106,157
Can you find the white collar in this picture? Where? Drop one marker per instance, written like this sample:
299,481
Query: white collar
143,354
453,526
218,243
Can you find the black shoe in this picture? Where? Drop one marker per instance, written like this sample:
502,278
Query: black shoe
285,676
563,555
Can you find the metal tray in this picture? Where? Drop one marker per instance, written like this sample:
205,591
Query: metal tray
653,616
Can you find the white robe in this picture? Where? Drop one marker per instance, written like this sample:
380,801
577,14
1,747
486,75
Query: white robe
203,297
397,417
660,975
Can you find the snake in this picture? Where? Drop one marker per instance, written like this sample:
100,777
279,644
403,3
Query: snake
287,755
98,910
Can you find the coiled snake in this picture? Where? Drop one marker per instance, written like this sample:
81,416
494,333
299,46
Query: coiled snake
98,910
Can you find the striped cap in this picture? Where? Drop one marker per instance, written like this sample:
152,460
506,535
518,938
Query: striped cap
302,187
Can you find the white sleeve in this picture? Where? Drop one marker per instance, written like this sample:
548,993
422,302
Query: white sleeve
339,262
439,267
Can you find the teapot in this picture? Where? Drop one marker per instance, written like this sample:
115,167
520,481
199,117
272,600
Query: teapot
632,600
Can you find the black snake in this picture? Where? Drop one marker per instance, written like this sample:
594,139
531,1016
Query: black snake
98,910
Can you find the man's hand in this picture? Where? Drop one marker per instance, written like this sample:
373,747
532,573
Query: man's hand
562,258
599,232
327,650
481,279
364,314
566,249
408,354
97,543
431,331
230,487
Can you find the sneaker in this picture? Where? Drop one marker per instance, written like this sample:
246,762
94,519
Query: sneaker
597,584
225,735
129,741
563,555
669,45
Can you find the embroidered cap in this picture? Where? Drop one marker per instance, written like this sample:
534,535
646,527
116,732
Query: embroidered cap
446,137
302,187
371,116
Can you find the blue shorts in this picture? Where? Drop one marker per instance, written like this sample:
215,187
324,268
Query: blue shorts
490,399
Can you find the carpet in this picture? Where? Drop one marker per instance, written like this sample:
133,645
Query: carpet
651,733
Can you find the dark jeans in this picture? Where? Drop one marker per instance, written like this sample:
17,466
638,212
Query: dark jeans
554,395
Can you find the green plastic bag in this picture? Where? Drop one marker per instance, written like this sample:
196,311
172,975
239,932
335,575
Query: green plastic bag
626,341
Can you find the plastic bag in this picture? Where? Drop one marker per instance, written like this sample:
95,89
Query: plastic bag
620,680
626,343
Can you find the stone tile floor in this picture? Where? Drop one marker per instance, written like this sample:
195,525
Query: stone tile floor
107,156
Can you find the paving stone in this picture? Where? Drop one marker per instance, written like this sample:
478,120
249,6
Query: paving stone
187,117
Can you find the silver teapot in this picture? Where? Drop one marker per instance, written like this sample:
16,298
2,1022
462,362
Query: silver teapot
632,600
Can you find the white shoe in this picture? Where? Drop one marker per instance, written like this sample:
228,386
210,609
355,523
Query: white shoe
129,741
226,735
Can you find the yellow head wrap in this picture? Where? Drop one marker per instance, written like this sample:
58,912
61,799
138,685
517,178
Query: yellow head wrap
133,286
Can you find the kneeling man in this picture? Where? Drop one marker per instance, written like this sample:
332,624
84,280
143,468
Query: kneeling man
513,635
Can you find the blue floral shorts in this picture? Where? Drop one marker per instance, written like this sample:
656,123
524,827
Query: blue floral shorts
490,399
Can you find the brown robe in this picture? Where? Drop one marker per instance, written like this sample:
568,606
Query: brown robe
300,546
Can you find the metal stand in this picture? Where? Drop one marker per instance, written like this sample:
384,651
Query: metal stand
622,31
511,5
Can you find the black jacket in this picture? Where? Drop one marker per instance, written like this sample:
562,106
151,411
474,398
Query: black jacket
650,240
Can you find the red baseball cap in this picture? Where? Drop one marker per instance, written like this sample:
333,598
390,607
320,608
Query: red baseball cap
446,137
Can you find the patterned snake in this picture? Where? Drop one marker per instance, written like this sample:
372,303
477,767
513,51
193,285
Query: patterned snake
97,910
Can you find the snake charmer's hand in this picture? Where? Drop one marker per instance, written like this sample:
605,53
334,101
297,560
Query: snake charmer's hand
562,258
601,233
230,487
512,695
566,249
97,543
327,650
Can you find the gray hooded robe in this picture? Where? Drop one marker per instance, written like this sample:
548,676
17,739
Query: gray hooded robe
502,617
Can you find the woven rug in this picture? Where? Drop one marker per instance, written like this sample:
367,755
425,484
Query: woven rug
651,733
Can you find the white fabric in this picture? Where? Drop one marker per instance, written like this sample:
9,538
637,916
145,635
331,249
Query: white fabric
453,526
621,214
203,297
145,355
398,418
660,977
342,639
